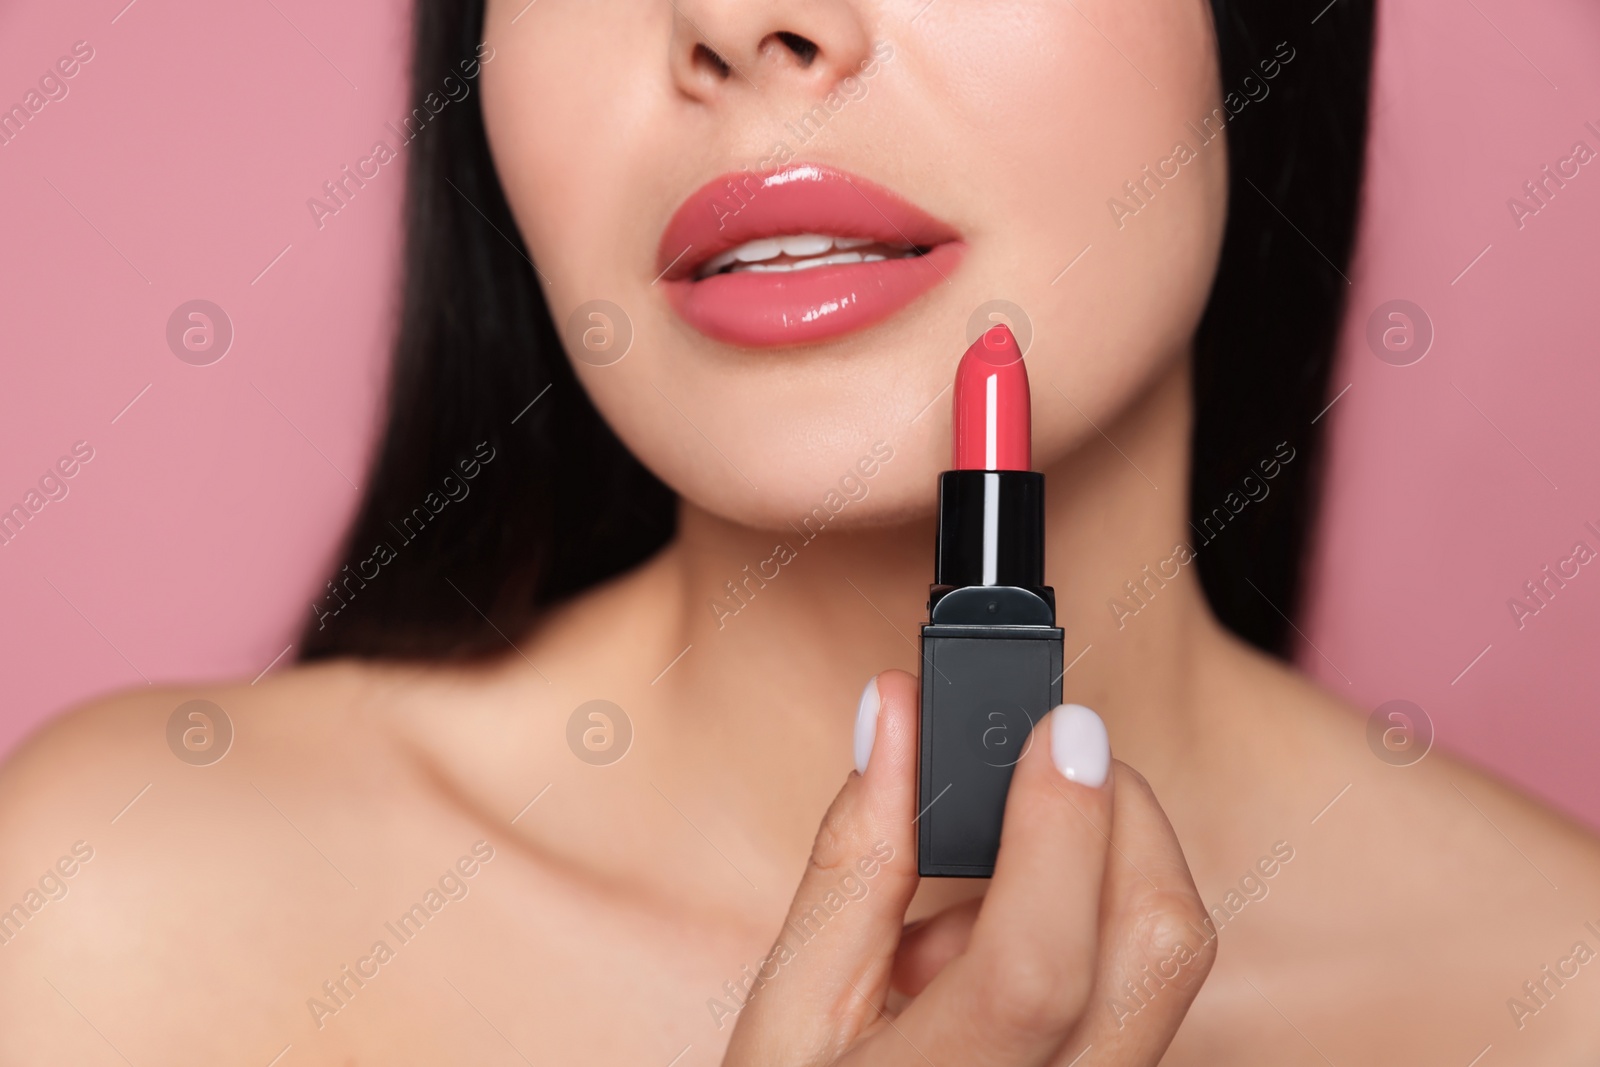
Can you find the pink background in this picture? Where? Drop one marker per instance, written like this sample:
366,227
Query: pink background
179,165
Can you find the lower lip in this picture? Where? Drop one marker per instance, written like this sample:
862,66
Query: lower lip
768,309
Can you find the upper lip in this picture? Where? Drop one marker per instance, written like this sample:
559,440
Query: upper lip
742,206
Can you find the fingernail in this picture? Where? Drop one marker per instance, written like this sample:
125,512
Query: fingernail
867,723
1079,746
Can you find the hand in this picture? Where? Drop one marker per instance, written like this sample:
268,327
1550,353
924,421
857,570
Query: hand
1090,892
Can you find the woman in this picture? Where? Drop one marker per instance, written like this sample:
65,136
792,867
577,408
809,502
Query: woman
427,844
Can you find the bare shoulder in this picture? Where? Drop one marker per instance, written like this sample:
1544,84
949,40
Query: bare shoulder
173,852
1443,907
1426,800
90,757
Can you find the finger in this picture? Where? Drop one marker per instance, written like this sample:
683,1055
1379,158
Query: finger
1024,981
927,947
1157,943
827,975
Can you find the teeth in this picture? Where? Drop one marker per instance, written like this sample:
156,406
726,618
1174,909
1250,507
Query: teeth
821,261
754,251
805,244
829,261
808,249
717,264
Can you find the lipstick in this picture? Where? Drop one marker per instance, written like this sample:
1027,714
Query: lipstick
993,422
991,650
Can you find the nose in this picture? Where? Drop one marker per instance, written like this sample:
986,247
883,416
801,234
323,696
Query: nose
722,48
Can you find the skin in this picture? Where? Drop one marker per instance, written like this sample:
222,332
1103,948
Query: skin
619,898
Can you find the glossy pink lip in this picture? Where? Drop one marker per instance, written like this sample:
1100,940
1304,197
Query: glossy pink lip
798,307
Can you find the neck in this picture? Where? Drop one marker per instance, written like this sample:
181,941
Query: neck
797,626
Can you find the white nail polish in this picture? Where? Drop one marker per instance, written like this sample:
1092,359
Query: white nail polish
1079,746
867,723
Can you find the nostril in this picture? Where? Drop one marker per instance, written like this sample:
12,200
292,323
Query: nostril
804,49
706,58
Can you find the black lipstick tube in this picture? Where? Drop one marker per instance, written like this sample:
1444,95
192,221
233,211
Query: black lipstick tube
991,664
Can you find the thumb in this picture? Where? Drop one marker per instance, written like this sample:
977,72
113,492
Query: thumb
827,976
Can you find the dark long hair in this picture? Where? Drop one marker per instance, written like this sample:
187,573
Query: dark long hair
479,514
